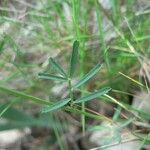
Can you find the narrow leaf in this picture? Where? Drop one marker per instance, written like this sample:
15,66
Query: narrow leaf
57,67
89,75
25,96
93,95
19,119
56,105
74,58
51,77
2,43
4,108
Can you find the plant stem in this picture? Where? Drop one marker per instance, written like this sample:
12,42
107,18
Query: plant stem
82,94
78,34
56,132
70,90
102,34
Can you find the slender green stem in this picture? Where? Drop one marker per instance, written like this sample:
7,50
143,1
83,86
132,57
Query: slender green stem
75,5
70,91
83,117
102,34
8,106
143,142
82,94
56,132
76,10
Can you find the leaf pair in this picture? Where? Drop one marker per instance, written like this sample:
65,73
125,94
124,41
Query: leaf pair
60,70
57,67
63,102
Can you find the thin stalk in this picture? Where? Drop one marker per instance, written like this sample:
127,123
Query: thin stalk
70,91
143,142
82,94
82,70
115,11
74,18
78,35
101,34
8,106
56,132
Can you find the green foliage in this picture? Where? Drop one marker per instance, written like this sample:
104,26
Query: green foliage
73,62
51,77
119,37
74,58
87,76
19,119
57,67
56,105
24,96
93,95
2,43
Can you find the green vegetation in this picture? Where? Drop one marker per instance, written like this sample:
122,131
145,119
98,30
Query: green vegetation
75,67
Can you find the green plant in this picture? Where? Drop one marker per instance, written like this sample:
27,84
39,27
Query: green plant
125,54
67,77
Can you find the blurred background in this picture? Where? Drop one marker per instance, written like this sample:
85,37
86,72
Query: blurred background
115,33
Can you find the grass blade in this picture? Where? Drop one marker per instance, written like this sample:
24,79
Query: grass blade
25,96
2,43
51,77
4,108
93,95
17,119
88,76
137,82
74,57
56,105
57,67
